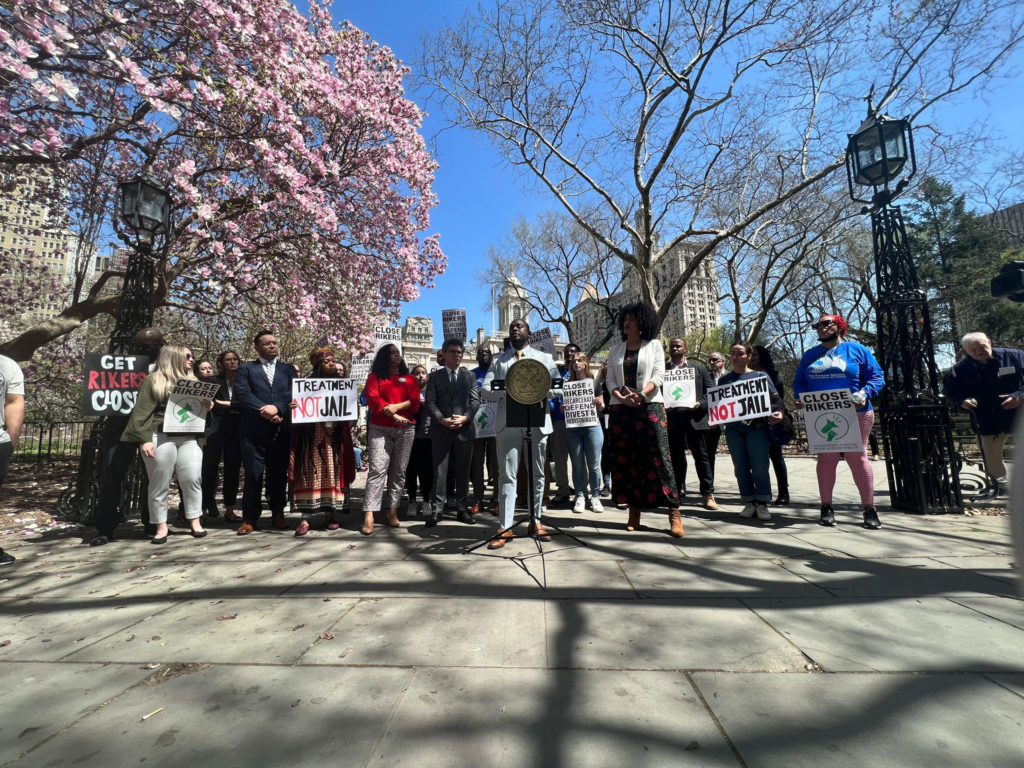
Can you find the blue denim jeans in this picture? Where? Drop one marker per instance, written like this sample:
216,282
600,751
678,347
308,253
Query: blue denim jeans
584,444
749,451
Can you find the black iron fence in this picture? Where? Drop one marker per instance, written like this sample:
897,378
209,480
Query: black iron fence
44,443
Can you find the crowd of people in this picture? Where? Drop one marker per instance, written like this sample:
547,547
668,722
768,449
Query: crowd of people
422,443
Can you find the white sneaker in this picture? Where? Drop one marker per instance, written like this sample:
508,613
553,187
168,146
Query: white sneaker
762,512
580,505
749,511
596,505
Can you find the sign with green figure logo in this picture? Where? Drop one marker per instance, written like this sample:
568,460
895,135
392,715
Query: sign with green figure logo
831,419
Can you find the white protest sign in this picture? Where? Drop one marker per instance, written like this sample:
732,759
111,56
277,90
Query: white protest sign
361,365
324,400
680,388
453,324
542,340
831,420
184,413
484,419
386,334
578,404
739,401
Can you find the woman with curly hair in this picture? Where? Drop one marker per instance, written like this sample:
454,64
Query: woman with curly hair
323,464
638,427
167,454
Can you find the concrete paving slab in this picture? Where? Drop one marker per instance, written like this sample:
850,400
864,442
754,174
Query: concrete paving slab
256,631
688,579
379,578
664,634
733,544
99,579
454,718
430,631
384,544
41,699
566,579
245,578
1008,609
894,577
889,542
843,720
236,716
1014,682
226,546
47,630
932,634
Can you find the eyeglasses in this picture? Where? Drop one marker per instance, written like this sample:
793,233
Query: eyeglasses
717,360
823,324
189,357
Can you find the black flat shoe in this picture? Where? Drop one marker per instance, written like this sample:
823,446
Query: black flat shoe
100,540
159,540
827,516
198,534
782,500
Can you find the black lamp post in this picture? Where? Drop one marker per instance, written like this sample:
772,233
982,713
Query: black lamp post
921,461
145,207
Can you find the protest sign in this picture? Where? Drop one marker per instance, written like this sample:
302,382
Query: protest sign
184,412
542,340
324,400
111,383
386,334
453,324
484,419
831,420
680,388
739,401
361,365
578,404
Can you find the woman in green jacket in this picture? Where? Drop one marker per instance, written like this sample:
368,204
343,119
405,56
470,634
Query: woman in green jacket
163,453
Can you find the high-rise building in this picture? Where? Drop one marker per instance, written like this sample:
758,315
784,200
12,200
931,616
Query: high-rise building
694,308
1009,222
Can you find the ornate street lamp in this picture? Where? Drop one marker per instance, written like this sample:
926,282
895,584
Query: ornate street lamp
921,461
145,207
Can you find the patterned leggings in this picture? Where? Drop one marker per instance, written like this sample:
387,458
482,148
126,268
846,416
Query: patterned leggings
389,456
860,467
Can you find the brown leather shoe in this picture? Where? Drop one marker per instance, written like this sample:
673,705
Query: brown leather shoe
709,502
278,522
246,528
542,533
475,509
501,538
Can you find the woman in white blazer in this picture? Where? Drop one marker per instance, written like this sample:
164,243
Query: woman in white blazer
638,428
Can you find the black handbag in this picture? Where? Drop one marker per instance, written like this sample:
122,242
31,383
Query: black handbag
782,433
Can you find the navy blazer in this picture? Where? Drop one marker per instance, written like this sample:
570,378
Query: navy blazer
252,392
442,402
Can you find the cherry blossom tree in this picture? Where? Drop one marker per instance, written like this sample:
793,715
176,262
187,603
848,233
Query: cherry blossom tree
296,160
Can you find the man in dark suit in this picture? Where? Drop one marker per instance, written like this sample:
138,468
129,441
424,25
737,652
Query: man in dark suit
687,427
452,399
263,391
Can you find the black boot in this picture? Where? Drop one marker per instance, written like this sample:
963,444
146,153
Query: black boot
827,516
871,521
782,499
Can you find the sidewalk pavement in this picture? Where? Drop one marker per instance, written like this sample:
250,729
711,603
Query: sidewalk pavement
742,644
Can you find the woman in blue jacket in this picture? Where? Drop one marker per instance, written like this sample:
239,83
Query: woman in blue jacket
837,363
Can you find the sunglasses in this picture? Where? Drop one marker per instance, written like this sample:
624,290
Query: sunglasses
189,357
823,324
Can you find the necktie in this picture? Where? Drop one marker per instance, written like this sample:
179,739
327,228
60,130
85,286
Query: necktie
519,354
452,379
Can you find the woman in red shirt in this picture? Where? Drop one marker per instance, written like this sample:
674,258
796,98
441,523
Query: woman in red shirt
394,398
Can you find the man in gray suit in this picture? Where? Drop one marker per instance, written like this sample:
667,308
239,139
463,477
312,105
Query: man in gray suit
511,440
452,399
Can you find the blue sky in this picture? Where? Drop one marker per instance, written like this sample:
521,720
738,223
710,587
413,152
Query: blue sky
480,198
